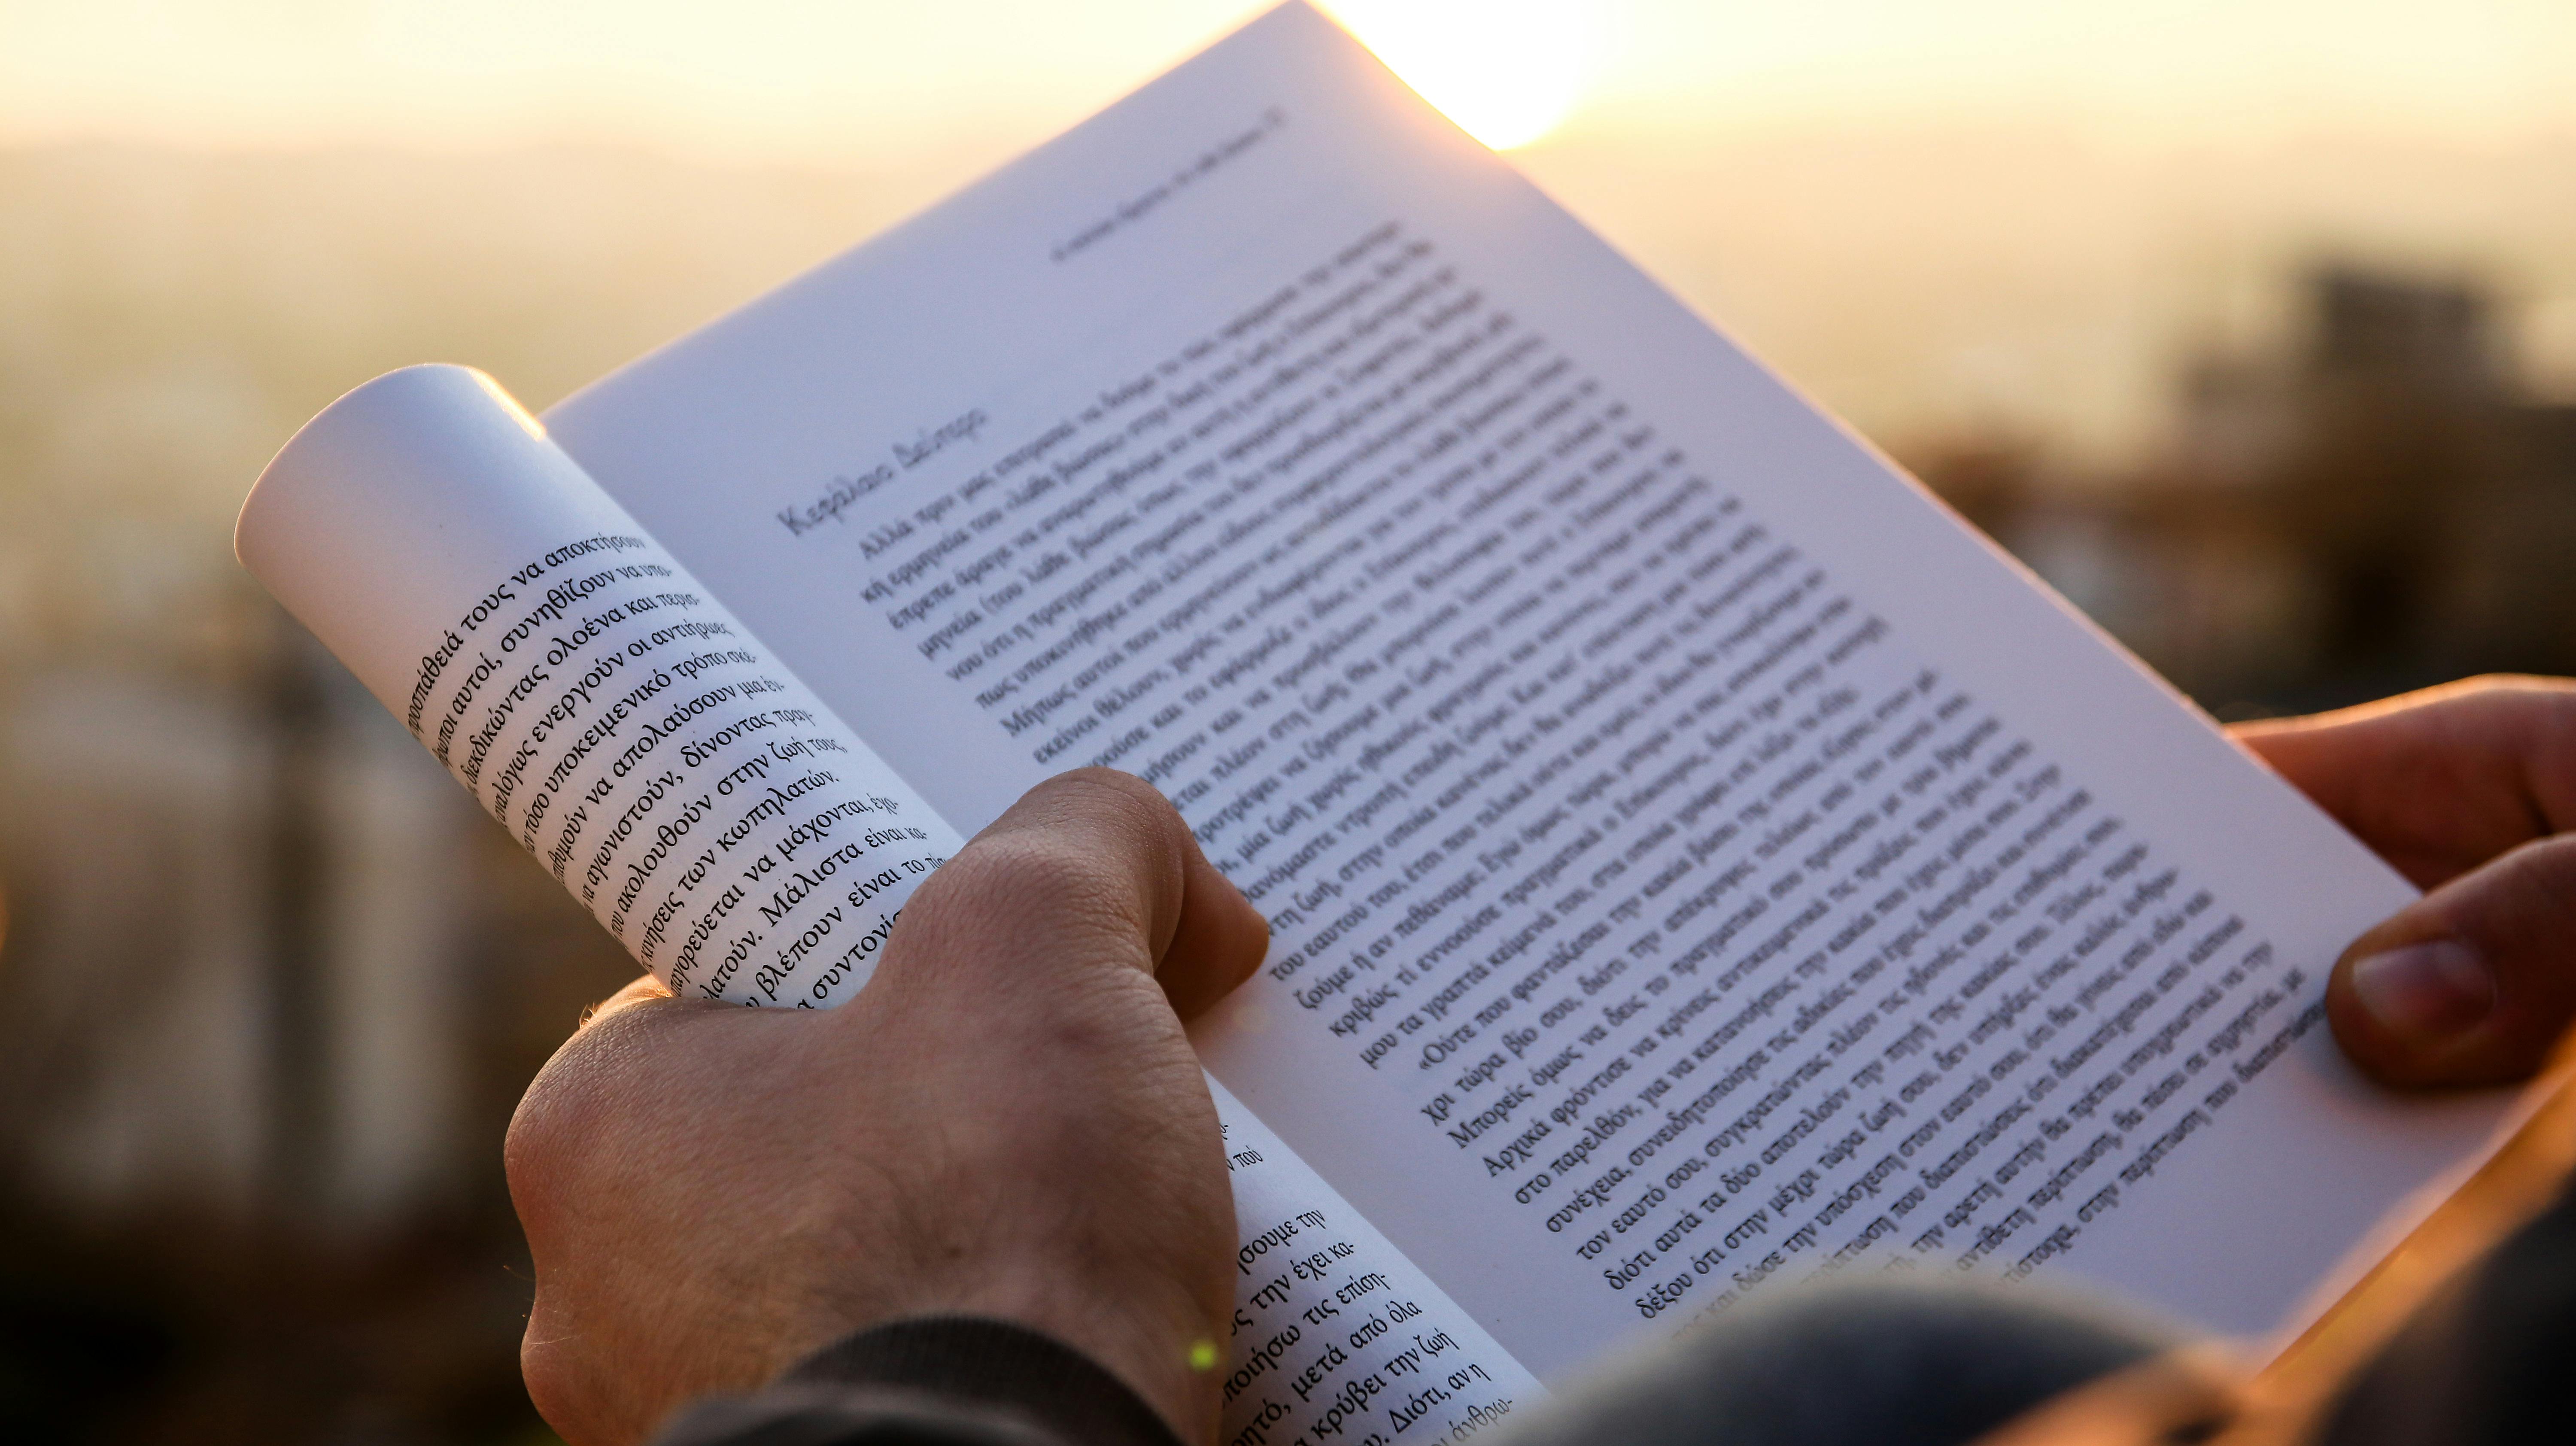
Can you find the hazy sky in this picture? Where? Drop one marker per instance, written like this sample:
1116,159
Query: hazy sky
859,80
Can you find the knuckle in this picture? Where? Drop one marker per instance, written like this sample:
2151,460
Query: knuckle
2555,710
564,1114
1086,834
554,1380
1121,798
1048,872
2548,874
531,1154
2543,873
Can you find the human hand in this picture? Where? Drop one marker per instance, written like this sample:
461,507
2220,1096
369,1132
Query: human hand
1006,1121
2470,791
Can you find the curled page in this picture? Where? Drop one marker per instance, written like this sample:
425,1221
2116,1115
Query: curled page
623,725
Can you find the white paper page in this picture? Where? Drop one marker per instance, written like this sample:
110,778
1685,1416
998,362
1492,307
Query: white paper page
1336,1336
1618,746
729,831
625,727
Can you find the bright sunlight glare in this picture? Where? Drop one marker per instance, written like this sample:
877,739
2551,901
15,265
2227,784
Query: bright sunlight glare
1507,71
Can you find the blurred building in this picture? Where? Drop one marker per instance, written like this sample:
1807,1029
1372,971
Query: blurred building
236,917
271,988
270,985
2375,506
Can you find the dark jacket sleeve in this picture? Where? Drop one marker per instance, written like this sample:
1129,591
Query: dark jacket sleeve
939,1381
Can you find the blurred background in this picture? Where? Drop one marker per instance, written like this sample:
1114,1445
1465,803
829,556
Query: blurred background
2250,325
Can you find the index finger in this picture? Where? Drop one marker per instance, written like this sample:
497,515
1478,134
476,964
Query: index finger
2440,781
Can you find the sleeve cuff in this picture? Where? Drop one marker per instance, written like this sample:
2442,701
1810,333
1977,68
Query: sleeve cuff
992,1365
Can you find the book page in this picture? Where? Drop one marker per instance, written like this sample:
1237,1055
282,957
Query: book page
1336,1336
624,727
733,835
1696,860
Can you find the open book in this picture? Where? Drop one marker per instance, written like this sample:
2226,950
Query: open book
1696,861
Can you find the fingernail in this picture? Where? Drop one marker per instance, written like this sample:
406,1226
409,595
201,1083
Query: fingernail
2426,994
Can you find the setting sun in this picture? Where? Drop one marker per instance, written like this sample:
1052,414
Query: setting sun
1507,71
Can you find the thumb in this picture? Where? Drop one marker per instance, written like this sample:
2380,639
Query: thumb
1089,865
2471,984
